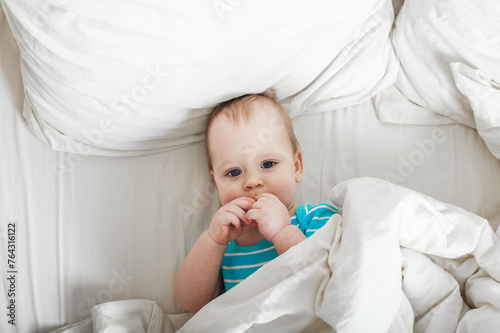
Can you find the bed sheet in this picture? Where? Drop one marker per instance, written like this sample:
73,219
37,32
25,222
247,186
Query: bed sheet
92,229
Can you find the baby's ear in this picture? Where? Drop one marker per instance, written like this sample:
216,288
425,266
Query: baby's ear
299,166
213,177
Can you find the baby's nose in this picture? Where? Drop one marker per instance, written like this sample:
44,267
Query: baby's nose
253,182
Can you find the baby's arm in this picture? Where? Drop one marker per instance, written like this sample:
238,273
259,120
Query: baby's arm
273,220
287,237
198,281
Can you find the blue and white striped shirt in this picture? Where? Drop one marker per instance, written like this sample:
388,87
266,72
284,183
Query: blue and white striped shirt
241,261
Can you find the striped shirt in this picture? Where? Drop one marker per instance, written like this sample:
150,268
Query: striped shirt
241,261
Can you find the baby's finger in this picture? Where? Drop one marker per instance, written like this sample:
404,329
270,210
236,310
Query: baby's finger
236,223
231,219
243,202
253,214
262,202
237,212
267,195
268,198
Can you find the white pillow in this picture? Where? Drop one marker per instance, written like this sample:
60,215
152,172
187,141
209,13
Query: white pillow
128,77
483,94
429,35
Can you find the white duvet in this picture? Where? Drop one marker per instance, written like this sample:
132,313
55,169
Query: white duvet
394,260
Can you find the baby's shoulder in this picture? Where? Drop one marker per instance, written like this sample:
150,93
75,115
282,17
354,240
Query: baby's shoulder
322,209
305,213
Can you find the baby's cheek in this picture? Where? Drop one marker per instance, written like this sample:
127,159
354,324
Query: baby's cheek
224,199
286,193
227,196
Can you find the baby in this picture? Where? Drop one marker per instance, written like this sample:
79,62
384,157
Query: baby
255,161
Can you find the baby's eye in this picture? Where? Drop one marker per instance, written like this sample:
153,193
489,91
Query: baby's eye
268,164
234,173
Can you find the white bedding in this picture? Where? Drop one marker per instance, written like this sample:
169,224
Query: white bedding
358,273
126,78
95,229
428,37
386,265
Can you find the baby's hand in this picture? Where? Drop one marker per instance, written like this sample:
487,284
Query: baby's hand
230,221
270,214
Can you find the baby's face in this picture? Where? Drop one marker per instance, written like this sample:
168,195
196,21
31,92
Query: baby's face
254,156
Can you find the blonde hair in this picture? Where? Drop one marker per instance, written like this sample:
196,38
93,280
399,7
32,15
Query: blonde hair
238,107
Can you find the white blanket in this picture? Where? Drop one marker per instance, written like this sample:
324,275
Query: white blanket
393,261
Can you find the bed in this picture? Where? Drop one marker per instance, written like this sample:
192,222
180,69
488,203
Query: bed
104,186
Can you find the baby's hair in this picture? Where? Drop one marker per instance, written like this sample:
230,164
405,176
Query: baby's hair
237,108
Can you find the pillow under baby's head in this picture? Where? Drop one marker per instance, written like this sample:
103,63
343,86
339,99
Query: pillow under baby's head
131,77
